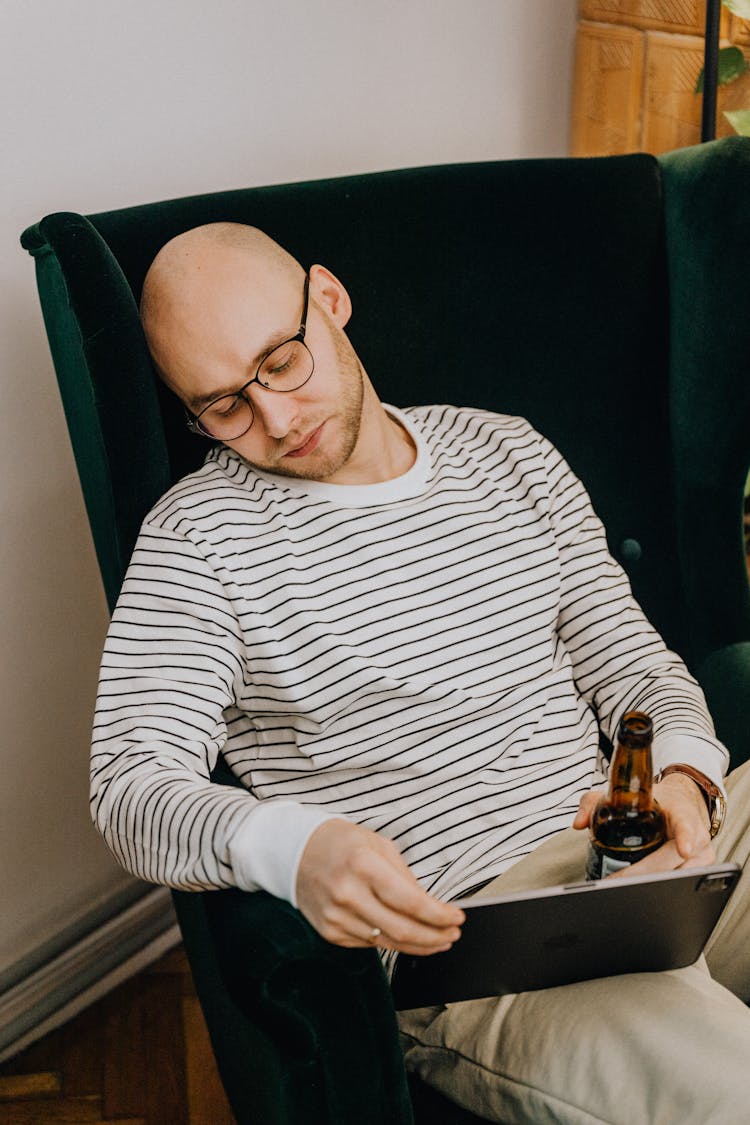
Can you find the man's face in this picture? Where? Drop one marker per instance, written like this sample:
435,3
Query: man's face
214,337
312,432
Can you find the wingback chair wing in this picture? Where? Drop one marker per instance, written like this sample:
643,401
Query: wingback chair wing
604,299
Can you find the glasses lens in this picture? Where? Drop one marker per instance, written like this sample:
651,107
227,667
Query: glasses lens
287,367
227,418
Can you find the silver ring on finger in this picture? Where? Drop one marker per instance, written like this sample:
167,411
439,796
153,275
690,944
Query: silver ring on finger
374,934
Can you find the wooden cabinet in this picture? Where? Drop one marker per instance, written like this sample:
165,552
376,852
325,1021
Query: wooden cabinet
637,63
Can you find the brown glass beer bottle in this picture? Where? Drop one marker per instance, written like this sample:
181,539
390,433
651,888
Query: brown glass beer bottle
627,824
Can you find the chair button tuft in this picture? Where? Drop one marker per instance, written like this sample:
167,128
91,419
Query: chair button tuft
630,550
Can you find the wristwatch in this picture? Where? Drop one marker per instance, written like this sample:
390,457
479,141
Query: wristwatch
716,802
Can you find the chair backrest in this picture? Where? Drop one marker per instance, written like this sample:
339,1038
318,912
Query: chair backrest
562,290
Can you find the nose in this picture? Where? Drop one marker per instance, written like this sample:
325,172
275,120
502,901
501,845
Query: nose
274,411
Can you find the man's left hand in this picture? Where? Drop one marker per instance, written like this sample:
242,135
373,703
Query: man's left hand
688,827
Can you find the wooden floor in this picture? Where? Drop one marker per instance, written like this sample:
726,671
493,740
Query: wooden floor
140,1056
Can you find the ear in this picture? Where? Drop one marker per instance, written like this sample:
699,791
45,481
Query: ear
330,294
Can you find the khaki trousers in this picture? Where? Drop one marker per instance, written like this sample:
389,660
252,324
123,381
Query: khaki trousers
644,1049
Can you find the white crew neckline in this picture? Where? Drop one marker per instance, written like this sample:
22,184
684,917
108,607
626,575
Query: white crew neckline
410,484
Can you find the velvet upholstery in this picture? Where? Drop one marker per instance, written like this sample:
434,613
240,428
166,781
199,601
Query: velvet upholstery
601,298
707,221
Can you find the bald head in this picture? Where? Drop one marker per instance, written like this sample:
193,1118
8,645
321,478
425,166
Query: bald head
201,282
181,261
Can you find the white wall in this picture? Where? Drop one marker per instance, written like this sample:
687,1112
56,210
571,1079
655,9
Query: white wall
107,104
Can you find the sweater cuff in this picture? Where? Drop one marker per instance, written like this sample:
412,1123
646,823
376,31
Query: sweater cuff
703,754
266,850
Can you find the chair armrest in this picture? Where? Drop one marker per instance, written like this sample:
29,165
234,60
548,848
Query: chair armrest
324,1014
725,678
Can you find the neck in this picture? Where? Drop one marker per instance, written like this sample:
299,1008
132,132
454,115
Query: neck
384,449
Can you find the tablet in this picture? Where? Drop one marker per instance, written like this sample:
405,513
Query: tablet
558,935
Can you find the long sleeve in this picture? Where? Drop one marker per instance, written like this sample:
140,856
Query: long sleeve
170,665
620,661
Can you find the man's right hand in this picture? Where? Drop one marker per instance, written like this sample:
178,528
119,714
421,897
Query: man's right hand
355,889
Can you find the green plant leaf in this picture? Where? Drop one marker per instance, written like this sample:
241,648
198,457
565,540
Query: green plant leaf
740,8
731,65
739,119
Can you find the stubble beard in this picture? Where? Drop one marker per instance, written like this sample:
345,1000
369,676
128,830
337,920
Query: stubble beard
348,417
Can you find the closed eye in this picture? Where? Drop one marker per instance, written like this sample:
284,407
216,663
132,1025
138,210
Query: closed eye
226,411
279,361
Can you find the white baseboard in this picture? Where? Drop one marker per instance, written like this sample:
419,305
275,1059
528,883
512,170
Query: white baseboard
85,971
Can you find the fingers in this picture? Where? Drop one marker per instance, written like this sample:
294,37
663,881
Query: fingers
372,894
352,882
403,894
410,920
690,839
386,928
687,816
586,807
667,858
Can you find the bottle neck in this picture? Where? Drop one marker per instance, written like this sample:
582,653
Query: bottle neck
631,778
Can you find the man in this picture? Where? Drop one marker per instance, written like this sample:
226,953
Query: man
401,629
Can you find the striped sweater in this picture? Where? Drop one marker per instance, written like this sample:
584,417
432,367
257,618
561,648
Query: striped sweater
428,657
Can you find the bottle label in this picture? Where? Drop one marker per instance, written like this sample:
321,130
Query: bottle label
609,865
600,865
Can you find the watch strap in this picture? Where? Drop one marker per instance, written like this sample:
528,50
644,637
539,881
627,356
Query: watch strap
714,798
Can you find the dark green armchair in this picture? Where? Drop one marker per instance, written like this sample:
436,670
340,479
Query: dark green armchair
604,299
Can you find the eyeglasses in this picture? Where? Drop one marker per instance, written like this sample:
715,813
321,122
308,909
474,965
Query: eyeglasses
287,367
